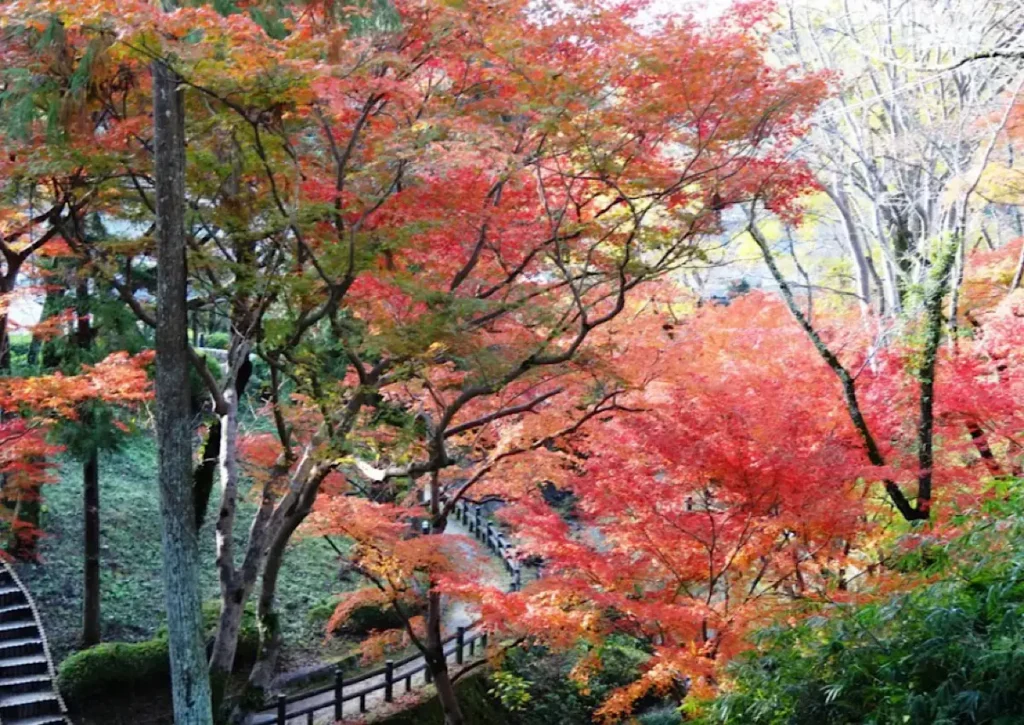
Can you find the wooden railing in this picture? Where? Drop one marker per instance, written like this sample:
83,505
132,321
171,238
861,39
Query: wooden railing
388,680
361,691
471,516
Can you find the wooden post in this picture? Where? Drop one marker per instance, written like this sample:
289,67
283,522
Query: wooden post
389,681
483,640
339,687
478,533
517,579
282,714
460,643
489,536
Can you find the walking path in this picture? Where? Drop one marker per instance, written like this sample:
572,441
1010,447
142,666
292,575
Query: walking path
361,695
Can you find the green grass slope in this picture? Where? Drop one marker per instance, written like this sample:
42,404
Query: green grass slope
132,586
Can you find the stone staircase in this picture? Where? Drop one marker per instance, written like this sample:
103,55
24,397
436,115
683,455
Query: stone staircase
28,691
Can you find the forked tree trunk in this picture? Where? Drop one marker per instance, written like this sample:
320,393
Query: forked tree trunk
190,680
269,626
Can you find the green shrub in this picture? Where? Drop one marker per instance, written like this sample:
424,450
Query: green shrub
142,665
321,611
20,345
554,697
217,340
365,618
375,617
949,652
667,715
112,666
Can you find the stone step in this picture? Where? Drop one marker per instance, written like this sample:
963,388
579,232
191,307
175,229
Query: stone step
18,629
25,683
21,647
15,612
9,643
21,679
16,624
24,666
38,720
10,594
28,704
26,698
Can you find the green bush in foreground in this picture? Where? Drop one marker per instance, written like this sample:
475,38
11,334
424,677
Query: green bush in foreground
140,665
113,666
947,653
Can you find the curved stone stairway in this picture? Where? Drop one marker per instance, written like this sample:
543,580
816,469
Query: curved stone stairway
28,691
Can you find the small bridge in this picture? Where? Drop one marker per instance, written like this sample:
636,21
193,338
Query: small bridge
28,682
350,697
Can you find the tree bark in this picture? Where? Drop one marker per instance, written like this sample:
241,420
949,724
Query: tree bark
275,524
5,346
90,487
926,375
232,591
91,586
434,654
1019,272
438,663
190,681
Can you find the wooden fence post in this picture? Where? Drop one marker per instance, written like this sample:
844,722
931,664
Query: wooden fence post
282,714
488,536
460,642
339,686
389,675
517,579
478,532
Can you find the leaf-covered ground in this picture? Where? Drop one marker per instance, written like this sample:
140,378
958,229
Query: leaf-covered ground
132,588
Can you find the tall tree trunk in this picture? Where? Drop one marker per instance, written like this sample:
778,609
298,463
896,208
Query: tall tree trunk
90,490
190,681
434,655
91,588
926,376
5,346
